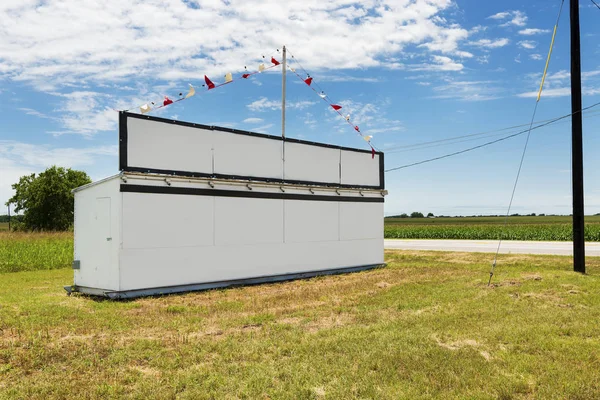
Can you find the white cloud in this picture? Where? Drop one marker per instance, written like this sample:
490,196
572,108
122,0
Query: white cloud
347,78
559,92
35,113
527,44
467,90
86,112
490,44
50,44
18,159
500,15
361,114
517,18
439,63
253,120
533,31
264,104
536,57
518,58
563,91
310,121
557,84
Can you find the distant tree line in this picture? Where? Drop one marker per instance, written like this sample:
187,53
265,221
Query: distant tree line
430,215
13,218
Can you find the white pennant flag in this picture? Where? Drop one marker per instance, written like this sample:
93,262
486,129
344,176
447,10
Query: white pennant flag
348,117
228,77
145,108
261,67
191,92
368,138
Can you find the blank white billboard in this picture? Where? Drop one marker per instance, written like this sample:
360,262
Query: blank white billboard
158,145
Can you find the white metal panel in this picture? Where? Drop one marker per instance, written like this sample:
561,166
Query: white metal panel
159,145
167,220
97,235
360,169
242,221
361,221
311,221
312,163
163,146
148,268
244,155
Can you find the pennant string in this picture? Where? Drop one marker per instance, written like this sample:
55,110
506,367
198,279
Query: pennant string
151,106
310,82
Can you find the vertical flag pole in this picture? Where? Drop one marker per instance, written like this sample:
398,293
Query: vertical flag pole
283,71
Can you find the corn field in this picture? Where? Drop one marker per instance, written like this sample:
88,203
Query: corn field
541,232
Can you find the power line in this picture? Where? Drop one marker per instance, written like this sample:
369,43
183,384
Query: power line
469,138
595,4
512,196
490,143
394,149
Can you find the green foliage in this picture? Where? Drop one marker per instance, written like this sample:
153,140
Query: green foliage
491,232
35,251
416,214
46,199
430,215
543,228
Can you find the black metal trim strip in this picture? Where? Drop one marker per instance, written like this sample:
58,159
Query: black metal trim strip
127,188
245,178
122,141
164,290
123,115
381,172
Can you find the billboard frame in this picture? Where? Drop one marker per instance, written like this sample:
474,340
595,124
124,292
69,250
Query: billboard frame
125,167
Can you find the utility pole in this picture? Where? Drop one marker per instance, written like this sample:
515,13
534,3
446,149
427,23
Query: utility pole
577,143
8,205
283,80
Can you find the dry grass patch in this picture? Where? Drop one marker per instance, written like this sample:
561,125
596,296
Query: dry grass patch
426,326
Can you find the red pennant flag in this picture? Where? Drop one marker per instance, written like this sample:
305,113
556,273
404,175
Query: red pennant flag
372,153
308,81
274,61
356,129
336,107
209,83
167,101
245,76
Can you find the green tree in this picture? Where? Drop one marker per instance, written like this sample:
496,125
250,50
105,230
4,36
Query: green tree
46,199
430,215
416,215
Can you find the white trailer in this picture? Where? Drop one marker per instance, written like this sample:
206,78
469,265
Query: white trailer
197,207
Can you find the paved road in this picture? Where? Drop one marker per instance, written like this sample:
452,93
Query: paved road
490,246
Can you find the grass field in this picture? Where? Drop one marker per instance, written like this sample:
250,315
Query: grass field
552,228
35,251
427,326
3,226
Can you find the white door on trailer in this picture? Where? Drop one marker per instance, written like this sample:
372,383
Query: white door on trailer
103,238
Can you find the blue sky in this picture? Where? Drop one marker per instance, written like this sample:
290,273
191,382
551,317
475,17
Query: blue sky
408,72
